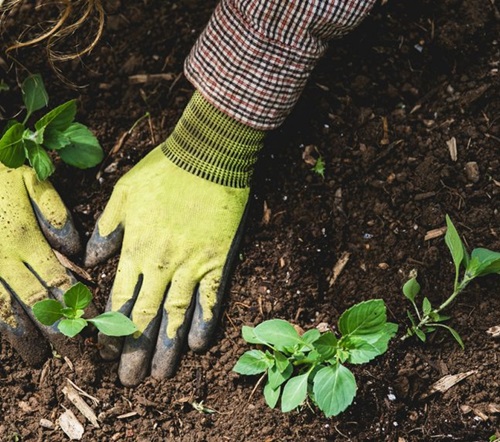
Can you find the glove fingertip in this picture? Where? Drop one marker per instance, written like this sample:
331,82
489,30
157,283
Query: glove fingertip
99,248
65,239
110,347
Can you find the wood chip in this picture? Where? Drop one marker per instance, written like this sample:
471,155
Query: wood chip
385,127
74,396
310,155
448,381
127,415
70,265
338,267
266,215
435,233
452,147
71,425
494,331
150,78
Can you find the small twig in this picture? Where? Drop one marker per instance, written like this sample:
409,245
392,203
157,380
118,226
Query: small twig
256,386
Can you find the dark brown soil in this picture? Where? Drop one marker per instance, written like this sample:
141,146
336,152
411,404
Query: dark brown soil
431,71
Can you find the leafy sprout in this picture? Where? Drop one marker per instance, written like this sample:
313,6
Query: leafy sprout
480,262
70,314
312,364
56,131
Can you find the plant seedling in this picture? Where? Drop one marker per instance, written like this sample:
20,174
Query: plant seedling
54,131
69,314
311,364
480,262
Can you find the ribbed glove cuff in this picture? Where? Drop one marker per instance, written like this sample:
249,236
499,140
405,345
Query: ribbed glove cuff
209,144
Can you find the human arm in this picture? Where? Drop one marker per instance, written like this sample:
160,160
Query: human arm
178,223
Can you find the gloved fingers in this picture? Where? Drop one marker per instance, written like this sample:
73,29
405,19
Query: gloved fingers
176,319
32,290
20,331
121,299
52,274
107,236
207,309
138,349
54,219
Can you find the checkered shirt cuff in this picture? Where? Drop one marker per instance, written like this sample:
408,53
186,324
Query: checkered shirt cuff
253,59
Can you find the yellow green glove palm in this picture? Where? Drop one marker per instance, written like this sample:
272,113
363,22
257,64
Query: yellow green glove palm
31,213
178,215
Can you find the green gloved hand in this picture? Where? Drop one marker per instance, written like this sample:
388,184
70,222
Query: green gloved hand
178,215
31,213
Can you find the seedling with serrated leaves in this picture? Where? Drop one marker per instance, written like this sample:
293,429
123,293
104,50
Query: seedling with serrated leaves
480,262
69,314
56,131
311,364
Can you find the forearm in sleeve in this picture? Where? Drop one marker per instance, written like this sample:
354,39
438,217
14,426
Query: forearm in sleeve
254,57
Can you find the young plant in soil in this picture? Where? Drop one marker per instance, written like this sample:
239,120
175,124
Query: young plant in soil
480,262
54,131
311,364
69,314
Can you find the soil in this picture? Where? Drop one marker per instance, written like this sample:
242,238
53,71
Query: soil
381,109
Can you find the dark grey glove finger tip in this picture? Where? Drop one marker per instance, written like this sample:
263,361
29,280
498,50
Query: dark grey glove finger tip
65,239
99,248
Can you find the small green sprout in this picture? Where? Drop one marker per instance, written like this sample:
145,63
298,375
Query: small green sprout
480,262
54,131
319,167
69,314
311,364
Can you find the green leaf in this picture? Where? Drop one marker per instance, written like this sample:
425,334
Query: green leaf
277,378
39,160
251,362
411,318
489,261
271,395
71,327
69,312
455,245
294,393
311,335
47,311
411,289
326,345
420,334
11,146
248,335
114,324
282,362
455,334
84,150
54,139
426,306
334,389
34,94
277,332
319,167
361,351
78,296
365,319
58,118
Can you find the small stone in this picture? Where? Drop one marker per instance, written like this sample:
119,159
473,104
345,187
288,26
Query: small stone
45,423
472,171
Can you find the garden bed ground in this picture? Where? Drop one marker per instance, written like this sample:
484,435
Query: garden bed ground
430,70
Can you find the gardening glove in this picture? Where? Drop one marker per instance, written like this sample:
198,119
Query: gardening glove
178,217
32,215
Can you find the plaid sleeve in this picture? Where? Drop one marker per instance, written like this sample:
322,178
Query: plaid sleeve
254,57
